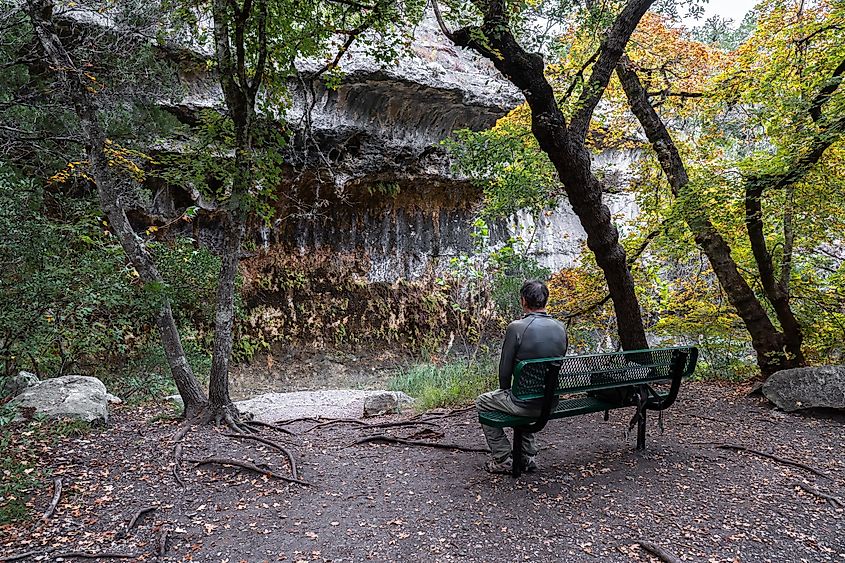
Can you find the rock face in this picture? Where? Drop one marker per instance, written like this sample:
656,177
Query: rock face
805,388
16,384
341,403
368,175
69,396
372,179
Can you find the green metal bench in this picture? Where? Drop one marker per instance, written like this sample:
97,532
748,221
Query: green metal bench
632,372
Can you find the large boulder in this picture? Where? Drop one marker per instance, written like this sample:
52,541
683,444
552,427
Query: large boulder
70,396
806,388
16,384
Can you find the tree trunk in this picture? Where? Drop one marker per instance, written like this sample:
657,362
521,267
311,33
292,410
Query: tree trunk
40,14
218,386
566,149
775,291
769,343
239,93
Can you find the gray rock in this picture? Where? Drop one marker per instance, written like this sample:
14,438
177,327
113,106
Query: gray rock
175,399
806,388
113,399
69,396
389,402
16,384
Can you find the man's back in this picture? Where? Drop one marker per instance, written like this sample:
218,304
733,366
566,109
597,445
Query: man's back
536,335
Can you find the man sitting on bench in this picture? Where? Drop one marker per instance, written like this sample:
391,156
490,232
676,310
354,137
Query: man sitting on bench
535,335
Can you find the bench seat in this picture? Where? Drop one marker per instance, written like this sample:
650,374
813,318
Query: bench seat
566,408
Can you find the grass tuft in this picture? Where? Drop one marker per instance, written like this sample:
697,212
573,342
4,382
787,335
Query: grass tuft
454,384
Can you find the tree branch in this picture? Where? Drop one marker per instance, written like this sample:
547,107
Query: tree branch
826,92
439,17
612,49
255,83
580,75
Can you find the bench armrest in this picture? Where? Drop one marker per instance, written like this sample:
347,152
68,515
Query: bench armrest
682,364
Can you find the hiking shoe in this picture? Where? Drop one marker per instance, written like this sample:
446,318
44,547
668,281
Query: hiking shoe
505,466
529,463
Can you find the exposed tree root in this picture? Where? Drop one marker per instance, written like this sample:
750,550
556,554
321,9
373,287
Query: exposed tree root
104,555
834,501
438,416
775,458
404,423
19,556
272,444
268,425
177,450
57,495
294,420
658,552
246,465
391,439
363,424
138,516
161,547
337,421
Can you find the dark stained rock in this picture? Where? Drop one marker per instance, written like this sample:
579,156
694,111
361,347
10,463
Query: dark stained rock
806,388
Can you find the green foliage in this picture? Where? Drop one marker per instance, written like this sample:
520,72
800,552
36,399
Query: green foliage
71,302
40,129
19,478
514,174
483,286
722,32
452,384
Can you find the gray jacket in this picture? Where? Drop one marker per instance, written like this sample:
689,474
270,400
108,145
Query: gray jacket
536,335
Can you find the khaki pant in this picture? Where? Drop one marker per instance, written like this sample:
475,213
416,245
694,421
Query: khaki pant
502,401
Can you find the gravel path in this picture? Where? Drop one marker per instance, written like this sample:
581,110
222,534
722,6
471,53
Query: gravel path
593,499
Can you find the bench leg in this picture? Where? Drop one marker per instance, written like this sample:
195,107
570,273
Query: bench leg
641,431
516,454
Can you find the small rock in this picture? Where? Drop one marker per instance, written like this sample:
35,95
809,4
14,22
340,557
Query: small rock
16,384
113,399
70,396
175,399
389,402
807,388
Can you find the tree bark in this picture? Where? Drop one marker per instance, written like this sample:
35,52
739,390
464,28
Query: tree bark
109,192
565,146
775,291
239,93
218,386
771,345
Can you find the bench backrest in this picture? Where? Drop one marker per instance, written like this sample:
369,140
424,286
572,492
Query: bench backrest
577,374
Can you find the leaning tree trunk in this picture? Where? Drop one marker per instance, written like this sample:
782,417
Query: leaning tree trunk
564,145
771,345
40,14
776,291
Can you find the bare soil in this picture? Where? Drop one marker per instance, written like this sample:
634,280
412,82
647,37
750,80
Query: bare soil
593,499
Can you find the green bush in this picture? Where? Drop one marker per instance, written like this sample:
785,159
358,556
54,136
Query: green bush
73,304
457,383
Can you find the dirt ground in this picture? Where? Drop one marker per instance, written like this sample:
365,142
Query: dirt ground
593,499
